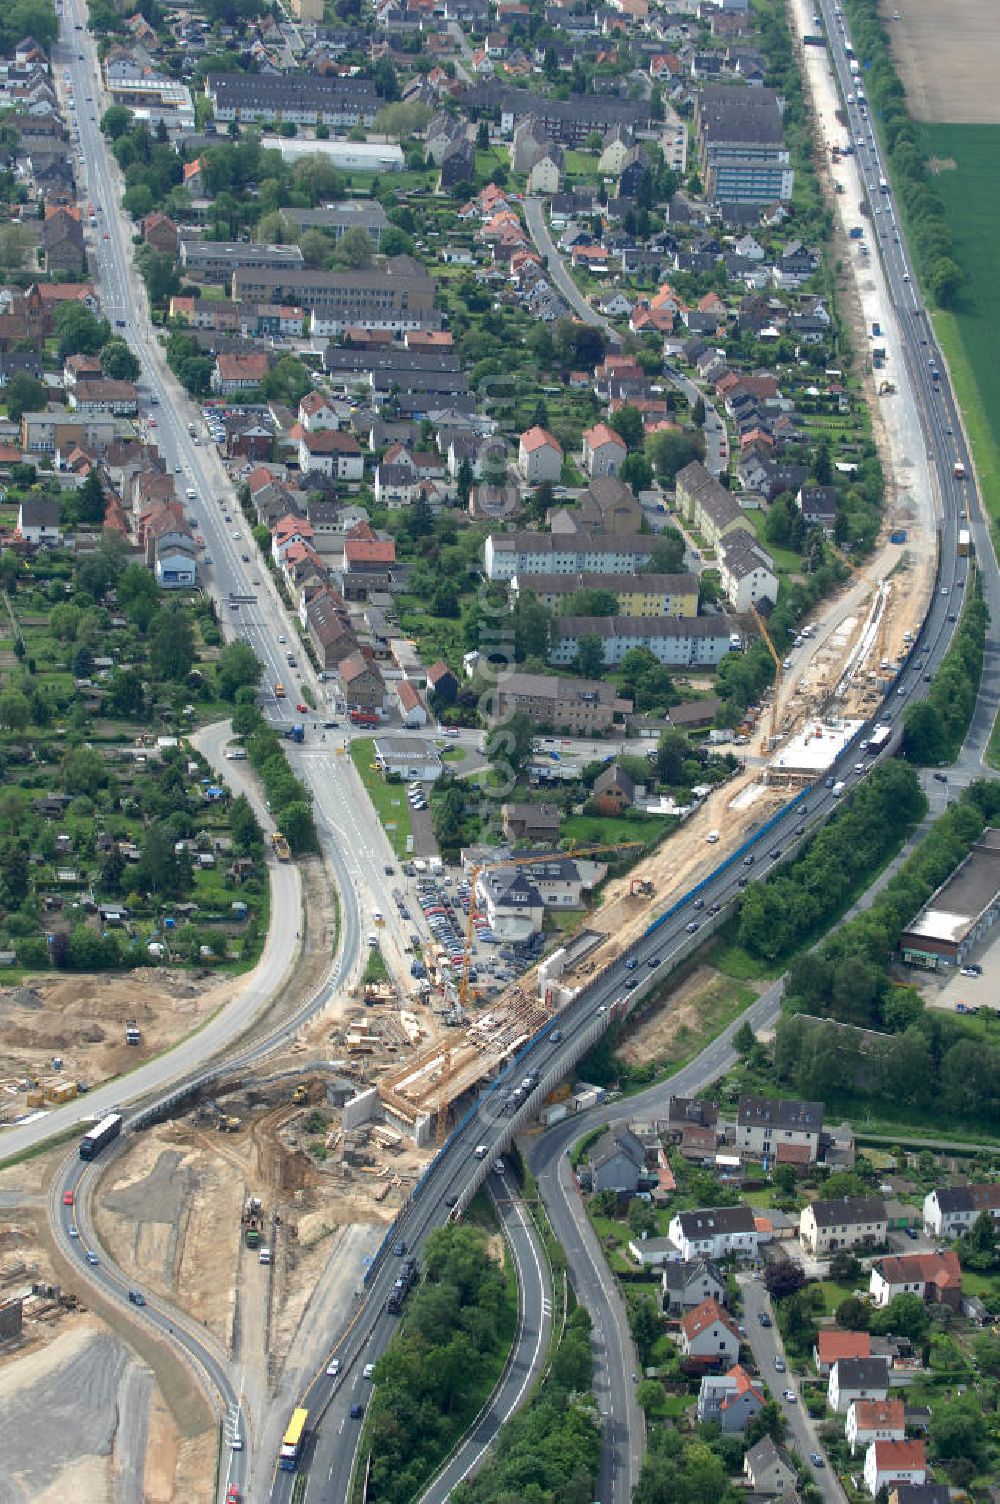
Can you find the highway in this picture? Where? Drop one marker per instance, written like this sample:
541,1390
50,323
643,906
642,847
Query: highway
669,939
458,1168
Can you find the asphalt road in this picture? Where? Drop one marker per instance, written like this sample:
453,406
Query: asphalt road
457,1168
765,1344
534,218
531,1344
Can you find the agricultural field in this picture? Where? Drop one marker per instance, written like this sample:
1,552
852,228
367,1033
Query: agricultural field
966,157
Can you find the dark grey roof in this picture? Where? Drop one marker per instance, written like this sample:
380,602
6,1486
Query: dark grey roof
862,1373
774,1112
740,114
849,1209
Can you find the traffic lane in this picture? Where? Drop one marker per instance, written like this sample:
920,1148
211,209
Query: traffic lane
531,1342
766,1345
613,1351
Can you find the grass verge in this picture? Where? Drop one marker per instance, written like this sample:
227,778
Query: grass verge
389,799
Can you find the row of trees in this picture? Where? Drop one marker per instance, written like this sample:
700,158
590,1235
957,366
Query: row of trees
936,726
550,1452
777,916
440,1367
289,798
930,233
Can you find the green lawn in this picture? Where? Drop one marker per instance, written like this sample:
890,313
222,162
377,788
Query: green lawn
593,830
389,799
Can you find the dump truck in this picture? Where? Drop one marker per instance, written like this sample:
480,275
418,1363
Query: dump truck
282,850
253,1221
133,1034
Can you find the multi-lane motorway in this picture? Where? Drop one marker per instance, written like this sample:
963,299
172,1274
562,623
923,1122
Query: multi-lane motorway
333,1434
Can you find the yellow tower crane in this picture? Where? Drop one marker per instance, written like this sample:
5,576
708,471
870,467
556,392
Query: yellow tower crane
778,670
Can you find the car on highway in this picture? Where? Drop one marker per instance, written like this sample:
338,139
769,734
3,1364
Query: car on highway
789,1396
68,1198
357,1411
302,708
763,1318
233,1495
779,1364
137,1298
971,971
940,777
74,1232
816,1460
333,1368
92,1257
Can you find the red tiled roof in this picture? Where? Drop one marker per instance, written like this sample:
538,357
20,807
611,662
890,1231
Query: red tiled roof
706,1315
832,1346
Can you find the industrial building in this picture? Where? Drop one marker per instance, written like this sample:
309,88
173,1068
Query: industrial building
960,913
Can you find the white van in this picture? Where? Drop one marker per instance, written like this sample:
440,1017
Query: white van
712,837
265,1255
481,1151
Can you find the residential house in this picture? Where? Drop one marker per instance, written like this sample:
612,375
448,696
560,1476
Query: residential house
607,505
765,1124
239,373
459,164
294,98
717,1232
692,1125
687,1284
580,707
618,1162
513,906
874,1420
529,553
524,821
818,505
708,506
613,792
539,456
289,530
768,1468
923,1493
890,1464
317,412
329,626
676,641
854,1379
38,521
412,711
62,240
933,1276
604,451
710,1334
330,452
546,172
731,1400
367,566
160,231
637,595
614,150
362,684
746,572
93,399
442,682
832,1344
742,153
951,1210
825,1226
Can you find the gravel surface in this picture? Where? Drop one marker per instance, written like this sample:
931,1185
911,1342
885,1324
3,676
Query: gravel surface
76,1383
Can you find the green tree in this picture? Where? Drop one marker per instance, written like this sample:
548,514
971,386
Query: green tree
508,748
667,553
853,1314
669,451
138,595
238,665
297,826
15,711
116,121
90,502
24,395
354,248
78,331
627,423
84,771
589,659
118,362
172,653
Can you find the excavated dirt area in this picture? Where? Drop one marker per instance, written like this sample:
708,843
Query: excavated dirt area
947,56
655,1033
81,1019
111,1433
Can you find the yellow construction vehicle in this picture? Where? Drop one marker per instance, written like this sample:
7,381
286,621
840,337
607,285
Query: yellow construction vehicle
299,1094
778,670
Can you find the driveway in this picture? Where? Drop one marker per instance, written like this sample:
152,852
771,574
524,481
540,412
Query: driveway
765,1344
